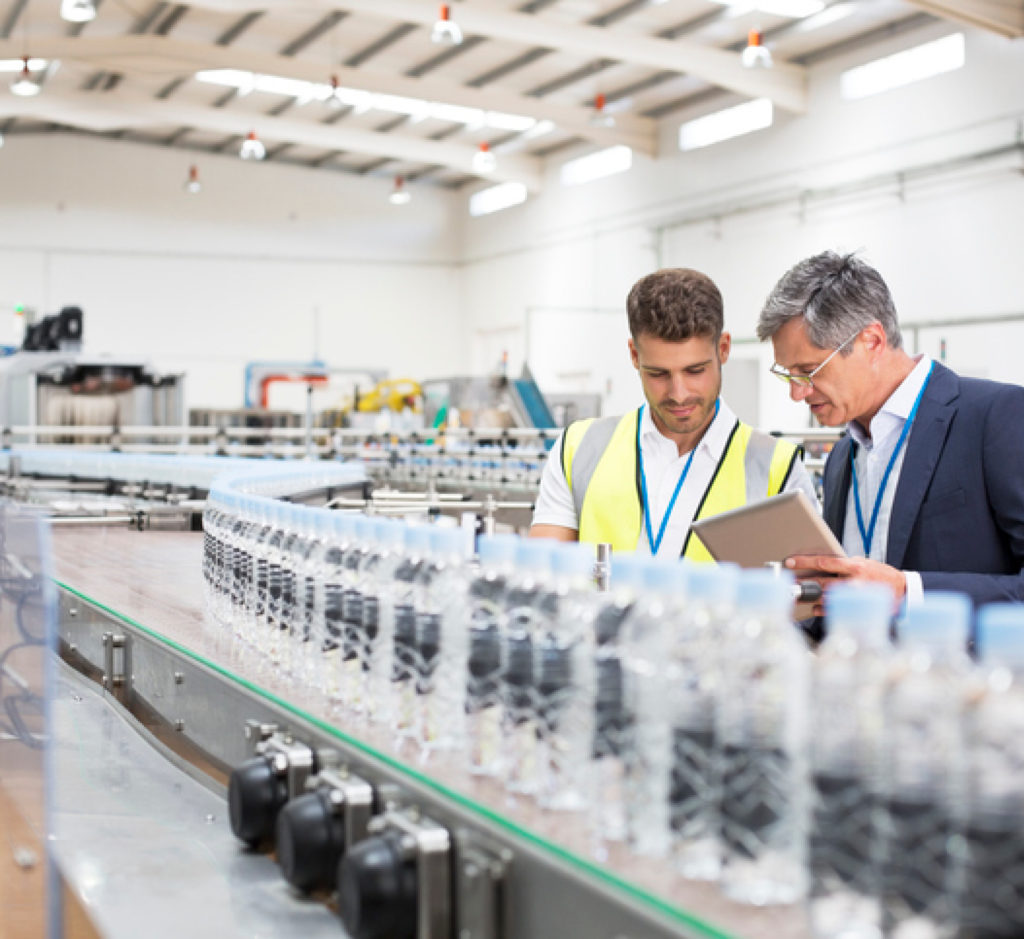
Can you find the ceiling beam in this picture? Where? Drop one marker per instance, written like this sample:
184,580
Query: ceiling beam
120,110
163,56
1005,17
785,84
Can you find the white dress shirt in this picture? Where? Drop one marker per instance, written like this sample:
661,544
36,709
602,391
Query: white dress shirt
872,457
663,465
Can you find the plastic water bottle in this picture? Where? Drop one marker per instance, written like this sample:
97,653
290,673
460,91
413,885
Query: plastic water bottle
406,666
564,669
993,888
528,603
849,682
261,595
695,688
761,739
611,720
328,623
443,637
647,750
241,563
378,575
350,679
924,778
312,523
487,593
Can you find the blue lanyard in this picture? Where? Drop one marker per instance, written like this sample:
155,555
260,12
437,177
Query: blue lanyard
867,534
655,543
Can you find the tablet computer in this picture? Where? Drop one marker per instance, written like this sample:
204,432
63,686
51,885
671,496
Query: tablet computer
771,530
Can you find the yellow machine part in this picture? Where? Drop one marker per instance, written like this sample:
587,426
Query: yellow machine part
396,394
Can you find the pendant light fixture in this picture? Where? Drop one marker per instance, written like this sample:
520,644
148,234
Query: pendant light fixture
600,117
756,55
483,160
192,185
400,195
334,99
252,147
25,85
78,11
446,31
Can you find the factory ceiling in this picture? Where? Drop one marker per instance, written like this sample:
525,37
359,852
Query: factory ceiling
359,85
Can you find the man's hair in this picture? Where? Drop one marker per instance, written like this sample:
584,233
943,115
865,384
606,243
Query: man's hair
837,295
675,304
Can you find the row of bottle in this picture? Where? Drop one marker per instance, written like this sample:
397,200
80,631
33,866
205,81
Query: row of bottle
681,713
463,462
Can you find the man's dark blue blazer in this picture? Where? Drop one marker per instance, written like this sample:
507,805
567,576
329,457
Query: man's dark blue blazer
958,511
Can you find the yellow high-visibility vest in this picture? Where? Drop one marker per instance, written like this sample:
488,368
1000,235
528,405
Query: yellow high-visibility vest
599,460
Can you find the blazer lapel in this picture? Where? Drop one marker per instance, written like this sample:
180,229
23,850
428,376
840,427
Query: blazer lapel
837,486
924,447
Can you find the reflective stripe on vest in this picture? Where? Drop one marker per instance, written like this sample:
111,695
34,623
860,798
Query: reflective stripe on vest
600,464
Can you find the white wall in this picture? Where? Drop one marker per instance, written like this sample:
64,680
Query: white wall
947,242
268,262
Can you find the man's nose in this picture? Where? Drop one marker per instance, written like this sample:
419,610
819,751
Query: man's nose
799,390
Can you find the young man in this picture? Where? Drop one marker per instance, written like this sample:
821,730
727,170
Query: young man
639,481
925,491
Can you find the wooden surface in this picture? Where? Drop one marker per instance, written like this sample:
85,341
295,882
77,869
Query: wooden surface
155,578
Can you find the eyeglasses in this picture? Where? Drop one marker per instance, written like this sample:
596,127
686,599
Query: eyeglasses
807,381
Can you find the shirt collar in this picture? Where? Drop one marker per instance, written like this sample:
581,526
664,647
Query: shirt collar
897,407
713,441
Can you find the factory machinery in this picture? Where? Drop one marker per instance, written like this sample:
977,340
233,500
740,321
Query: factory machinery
154,706
219,759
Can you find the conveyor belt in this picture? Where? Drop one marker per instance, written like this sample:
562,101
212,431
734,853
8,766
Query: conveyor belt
554,887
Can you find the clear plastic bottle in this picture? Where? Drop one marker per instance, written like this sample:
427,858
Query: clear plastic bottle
847,720
406,666
350,679
923,777
443,635
611,722
564,668
695,689
260,595
304,608
760,743
329,620
241,566
647,745
993,887
529,602
378,575
487,593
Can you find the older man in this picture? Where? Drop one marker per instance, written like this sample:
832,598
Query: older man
926,490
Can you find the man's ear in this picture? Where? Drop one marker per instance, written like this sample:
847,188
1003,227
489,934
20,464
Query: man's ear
724,348
633,356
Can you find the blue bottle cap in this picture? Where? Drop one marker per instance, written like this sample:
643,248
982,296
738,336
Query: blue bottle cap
939,623
497,550
862,609
713,583
668,577
764,591
573,559
534,554
1001,634
627,571
417,540
448,542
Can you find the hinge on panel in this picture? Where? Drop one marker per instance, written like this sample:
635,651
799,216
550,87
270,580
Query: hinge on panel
115,661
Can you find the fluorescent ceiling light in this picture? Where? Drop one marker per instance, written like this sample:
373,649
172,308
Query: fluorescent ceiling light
794,9
903,68
78,11
496,198
832,14
593,166
724,125
16,65
418,109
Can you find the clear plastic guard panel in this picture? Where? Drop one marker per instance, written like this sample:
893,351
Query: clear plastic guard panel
27,630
